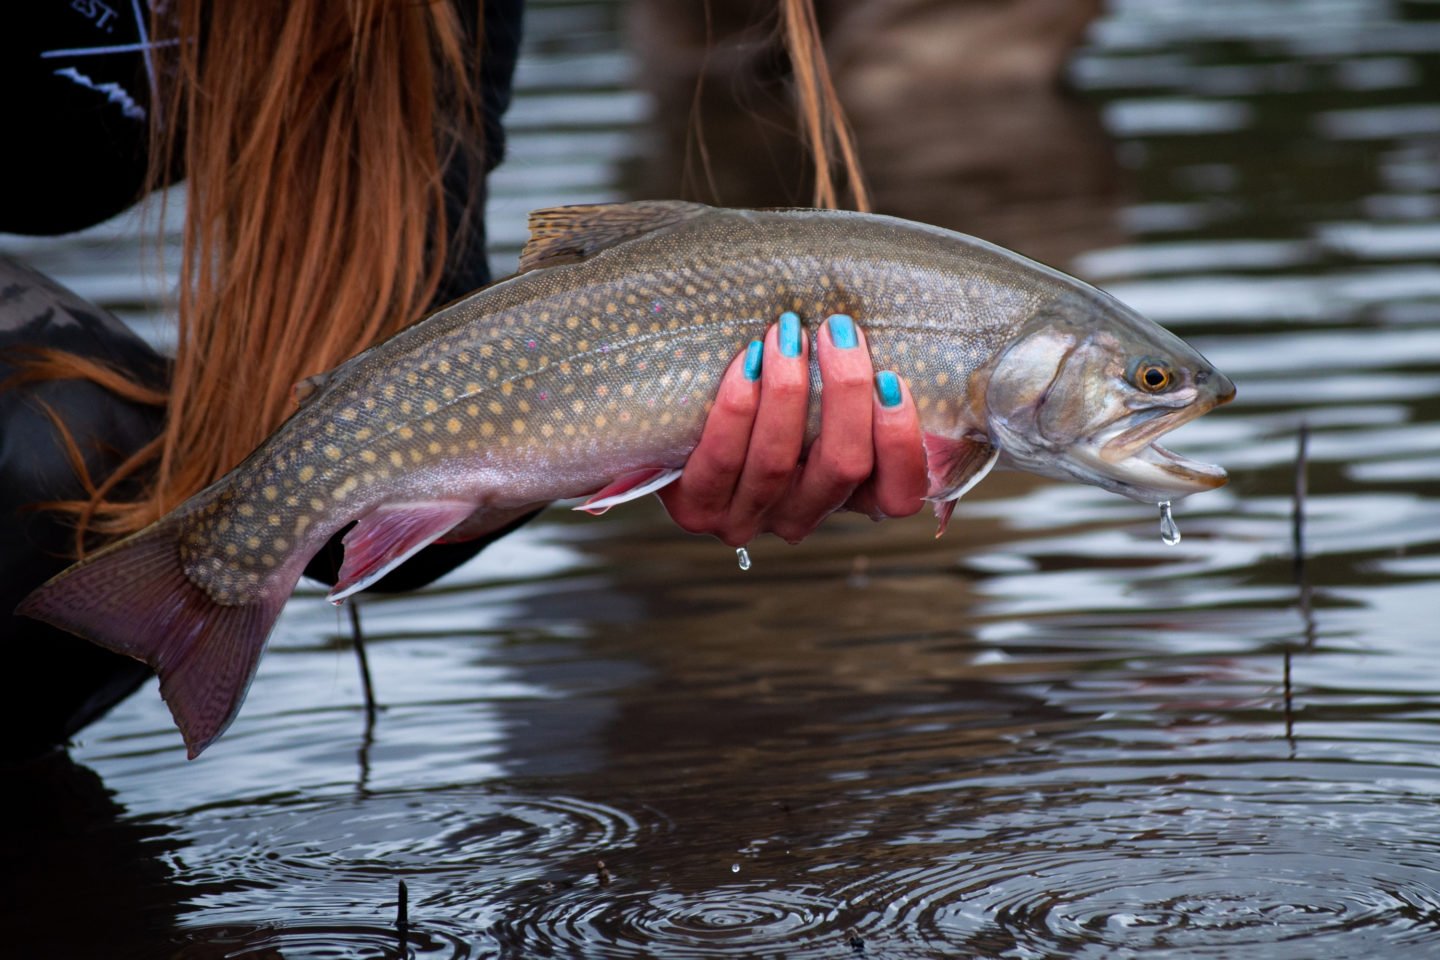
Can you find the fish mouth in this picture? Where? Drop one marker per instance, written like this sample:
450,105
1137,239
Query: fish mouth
1150,471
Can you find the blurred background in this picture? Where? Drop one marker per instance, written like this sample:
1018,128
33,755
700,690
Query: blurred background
1047,734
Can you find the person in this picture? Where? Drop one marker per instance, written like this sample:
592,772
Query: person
335,168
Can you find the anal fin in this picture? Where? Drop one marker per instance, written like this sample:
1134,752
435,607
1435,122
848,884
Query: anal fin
631,486
391,534
955,465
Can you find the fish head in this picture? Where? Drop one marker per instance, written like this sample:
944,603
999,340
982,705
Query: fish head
1086,391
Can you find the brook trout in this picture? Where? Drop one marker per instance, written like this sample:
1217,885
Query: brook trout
590,373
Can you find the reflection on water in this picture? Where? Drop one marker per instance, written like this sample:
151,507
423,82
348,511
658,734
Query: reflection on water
1046,735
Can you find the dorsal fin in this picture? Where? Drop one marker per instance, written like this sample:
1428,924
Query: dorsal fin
570,234
305,390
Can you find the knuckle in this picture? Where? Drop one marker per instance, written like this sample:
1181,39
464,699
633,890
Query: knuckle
845,471
848,378
735,403
788,389
771,473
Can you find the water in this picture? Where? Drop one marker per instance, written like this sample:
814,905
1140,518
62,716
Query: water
742,558
1045,735
1169,529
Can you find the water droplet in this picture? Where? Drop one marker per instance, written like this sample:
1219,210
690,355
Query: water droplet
1169,530
742,557
735,867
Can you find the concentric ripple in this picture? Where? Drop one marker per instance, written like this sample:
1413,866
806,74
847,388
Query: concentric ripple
1205,875
343,859
731,919
320,942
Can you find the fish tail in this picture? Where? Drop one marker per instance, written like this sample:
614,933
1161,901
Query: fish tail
134,598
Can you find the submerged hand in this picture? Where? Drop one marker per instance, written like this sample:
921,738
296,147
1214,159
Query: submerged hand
747,477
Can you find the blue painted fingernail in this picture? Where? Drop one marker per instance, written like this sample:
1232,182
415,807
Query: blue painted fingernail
789,334
842,332
888,386
754,354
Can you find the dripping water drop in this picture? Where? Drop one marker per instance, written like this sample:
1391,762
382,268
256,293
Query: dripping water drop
742,557
1169,530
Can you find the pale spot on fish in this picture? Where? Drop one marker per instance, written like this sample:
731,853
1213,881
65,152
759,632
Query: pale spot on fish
245,510
332,452
368,456
518,426
271,492
453,424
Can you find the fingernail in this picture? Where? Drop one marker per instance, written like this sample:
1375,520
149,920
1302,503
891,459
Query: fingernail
754,354
888,386
842,332
789,334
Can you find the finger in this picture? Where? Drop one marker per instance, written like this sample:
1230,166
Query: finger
779,431
899,482
702,495
843,455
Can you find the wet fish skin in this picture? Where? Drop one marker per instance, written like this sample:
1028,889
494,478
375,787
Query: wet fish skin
600,361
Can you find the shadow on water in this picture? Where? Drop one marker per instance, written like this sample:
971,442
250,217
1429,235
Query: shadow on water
81,878
1045,735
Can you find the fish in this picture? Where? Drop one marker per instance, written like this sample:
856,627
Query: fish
590,372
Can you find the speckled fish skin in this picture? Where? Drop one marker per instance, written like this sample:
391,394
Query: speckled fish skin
550,385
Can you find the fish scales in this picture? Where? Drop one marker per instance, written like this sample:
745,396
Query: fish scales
535,388
600,362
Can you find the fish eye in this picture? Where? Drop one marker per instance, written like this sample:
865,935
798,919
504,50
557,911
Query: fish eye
1152,375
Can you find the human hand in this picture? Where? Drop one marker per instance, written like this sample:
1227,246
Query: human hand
746,475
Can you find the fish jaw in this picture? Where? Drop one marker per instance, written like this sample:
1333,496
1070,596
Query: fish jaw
1151,471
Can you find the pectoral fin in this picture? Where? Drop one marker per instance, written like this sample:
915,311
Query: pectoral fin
389,535
632,486
955,465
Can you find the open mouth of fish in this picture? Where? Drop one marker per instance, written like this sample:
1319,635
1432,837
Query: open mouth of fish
1134,455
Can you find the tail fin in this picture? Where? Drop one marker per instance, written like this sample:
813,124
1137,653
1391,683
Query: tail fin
133,597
